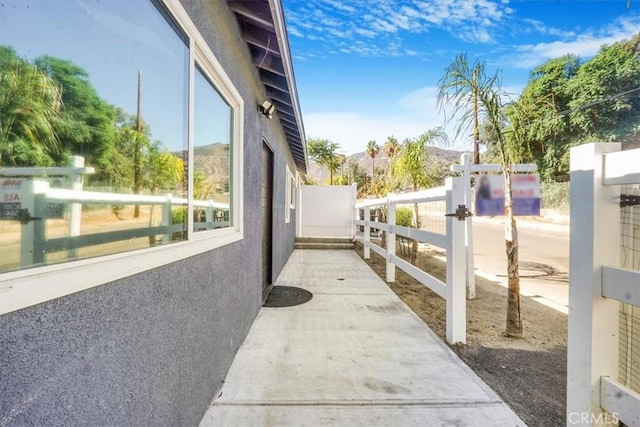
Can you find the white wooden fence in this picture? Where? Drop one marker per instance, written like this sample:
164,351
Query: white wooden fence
38,196
453,241
597,286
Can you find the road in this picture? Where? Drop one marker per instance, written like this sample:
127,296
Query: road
544,260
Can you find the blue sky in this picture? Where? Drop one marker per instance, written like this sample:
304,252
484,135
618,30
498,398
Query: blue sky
367,69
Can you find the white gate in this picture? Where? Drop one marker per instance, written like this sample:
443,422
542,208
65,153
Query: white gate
596,394
326,211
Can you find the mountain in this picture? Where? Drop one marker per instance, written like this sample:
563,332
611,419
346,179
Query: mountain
213,161
320,174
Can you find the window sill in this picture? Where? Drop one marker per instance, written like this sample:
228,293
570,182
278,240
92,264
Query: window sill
21,289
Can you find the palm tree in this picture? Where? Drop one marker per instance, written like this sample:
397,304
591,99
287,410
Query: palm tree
333,163
462,85
372,151
324,153
29,104
459,86
391,147
341,159
413,168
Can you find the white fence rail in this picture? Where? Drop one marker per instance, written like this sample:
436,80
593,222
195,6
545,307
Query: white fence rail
453,241
38,196
598,285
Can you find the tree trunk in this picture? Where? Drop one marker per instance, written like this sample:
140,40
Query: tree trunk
514,321
414,243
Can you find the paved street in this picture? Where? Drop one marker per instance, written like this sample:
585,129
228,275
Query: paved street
544,259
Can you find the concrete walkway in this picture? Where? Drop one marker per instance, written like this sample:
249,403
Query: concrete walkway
355,355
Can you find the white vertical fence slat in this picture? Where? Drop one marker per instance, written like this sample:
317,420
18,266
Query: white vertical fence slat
593,320
468,236
456,265
595,289
391,242
367,232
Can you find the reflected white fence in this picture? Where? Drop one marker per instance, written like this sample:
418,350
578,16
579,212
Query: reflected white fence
38,197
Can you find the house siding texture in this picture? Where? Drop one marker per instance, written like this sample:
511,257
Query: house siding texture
154,348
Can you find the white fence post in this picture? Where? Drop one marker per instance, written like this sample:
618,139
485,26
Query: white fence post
208,214
455,289
354,196
468,200
167,220
367,232
75,209
391,240
592,350
33,232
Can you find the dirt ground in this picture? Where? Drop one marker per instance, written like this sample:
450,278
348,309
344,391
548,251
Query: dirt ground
529,374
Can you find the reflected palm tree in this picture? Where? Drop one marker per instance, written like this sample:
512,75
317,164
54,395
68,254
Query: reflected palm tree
29,104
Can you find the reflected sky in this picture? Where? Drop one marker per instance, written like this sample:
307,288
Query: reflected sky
212,114
111,40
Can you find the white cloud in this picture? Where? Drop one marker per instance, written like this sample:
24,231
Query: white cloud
375,21
540,27
340,5
584,45
294,31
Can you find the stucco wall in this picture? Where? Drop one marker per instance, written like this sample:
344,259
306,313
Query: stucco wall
153,349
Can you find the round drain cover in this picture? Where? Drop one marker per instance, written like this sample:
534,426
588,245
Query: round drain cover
287,296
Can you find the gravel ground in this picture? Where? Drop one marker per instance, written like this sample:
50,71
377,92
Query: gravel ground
529,374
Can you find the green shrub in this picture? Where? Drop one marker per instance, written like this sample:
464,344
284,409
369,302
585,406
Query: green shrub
179,216
403,216
555,195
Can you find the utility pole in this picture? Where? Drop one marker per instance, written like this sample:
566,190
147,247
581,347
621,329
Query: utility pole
137,173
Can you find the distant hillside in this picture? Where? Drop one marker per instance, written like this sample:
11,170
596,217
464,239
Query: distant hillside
319,174
213,161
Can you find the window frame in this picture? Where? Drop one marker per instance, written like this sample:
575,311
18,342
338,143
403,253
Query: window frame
291,186
24,288
201,57
294,190
287,196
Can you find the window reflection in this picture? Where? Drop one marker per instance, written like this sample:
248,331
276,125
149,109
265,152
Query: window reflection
211,156
99,92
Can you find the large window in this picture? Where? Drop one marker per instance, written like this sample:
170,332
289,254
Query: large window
120,136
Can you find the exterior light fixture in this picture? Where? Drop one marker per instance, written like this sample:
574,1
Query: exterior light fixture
267,108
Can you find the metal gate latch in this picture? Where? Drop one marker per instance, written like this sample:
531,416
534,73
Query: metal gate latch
461,213
629,200
24,217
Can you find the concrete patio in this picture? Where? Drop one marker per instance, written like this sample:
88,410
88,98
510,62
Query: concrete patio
353,355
